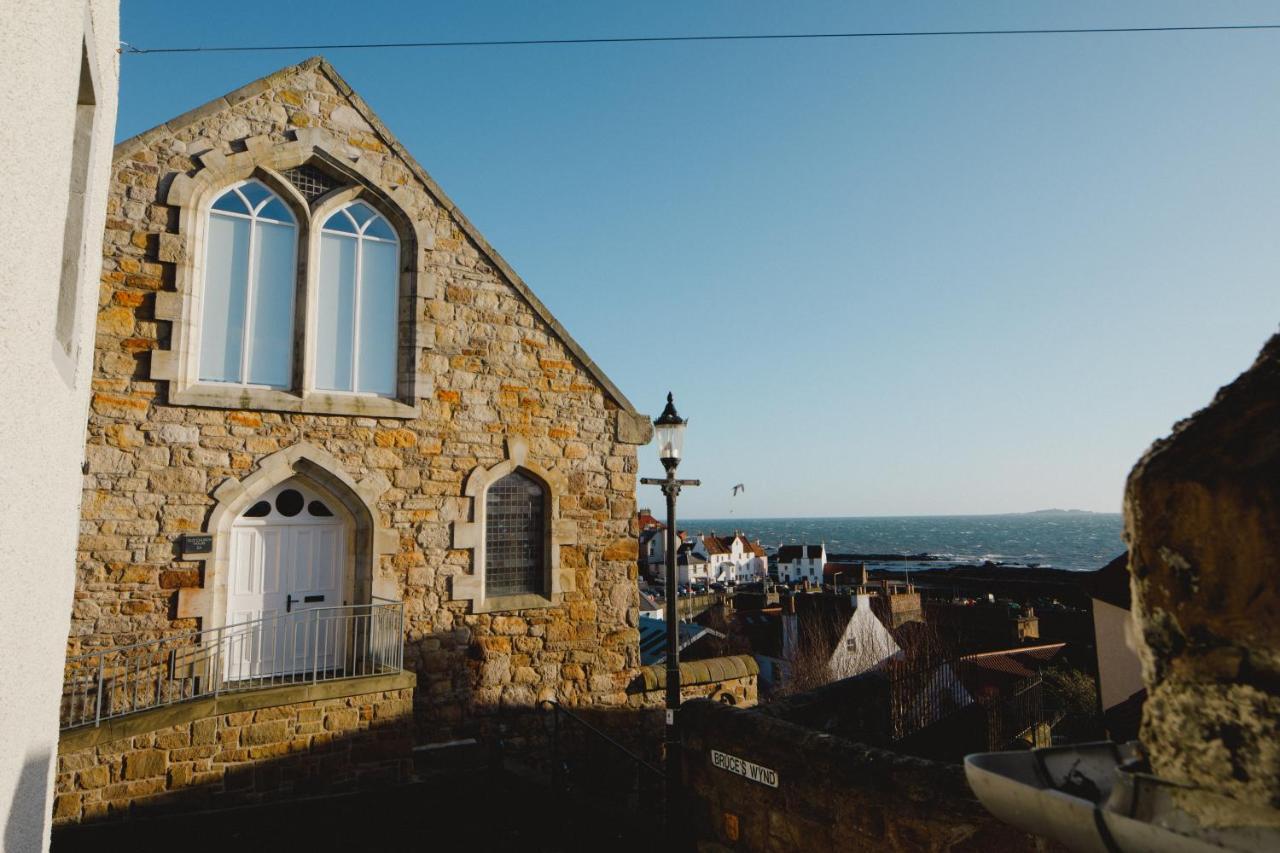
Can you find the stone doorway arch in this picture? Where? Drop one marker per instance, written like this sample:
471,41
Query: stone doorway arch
321,471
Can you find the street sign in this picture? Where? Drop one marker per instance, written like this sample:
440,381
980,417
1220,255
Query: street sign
744,768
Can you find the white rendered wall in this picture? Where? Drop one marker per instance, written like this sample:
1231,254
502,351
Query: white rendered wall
45,391
1119,670
873,644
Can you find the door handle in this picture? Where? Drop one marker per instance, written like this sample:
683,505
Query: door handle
289,601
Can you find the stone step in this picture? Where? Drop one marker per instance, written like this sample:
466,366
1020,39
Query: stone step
466,755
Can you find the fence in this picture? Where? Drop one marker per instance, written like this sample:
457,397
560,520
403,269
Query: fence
298,647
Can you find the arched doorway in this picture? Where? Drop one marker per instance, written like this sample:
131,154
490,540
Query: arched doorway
290,561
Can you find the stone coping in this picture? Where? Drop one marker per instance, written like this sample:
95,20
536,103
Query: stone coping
152,719
708,671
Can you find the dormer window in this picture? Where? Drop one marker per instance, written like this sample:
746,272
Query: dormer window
246,335
357,303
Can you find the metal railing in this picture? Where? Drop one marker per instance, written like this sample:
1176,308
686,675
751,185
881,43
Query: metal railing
299,647
591,766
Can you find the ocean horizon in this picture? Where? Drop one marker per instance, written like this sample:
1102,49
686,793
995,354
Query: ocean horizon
1060,539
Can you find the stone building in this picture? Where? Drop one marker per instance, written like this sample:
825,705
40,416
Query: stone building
59,73
317,386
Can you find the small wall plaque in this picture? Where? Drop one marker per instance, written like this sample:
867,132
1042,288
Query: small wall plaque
200,544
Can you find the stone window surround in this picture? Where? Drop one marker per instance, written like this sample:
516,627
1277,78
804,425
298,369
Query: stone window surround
357,502
262,159
470,535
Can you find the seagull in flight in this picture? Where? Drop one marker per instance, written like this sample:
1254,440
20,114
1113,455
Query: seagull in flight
738,488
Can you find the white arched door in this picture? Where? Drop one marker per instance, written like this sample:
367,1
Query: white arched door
288,553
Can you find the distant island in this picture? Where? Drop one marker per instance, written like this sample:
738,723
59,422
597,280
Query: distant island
1064,512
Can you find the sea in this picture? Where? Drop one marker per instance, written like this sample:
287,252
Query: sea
1072,540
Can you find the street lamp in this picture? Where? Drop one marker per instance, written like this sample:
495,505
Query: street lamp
669,428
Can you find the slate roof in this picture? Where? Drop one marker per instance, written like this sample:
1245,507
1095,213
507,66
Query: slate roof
653,638
790,553
763,630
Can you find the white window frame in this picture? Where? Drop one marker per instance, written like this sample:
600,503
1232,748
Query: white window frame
313,327
251,286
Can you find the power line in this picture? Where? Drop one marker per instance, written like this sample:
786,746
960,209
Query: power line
131,49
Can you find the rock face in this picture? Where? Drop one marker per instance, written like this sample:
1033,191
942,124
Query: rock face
1202,517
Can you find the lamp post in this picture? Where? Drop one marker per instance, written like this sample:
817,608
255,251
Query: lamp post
669,428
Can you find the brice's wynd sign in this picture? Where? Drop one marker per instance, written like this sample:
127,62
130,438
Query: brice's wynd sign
742,767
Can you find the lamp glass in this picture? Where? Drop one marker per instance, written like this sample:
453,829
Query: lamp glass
670,440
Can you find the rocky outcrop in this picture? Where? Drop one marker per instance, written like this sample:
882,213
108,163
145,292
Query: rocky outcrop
1202,518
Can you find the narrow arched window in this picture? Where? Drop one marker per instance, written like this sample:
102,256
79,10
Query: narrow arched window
250,271
515,536
356,316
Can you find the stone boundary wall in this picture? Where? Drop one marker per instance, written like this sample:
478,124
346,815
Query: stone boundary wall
733,680
323,746
832,794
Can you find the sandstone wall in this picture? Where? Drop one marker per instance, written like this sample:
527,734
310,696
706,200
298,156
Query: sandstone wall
307,748
832,794
496,369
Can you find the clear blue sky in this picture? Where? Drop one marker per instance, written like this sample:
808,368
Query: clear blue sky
943,275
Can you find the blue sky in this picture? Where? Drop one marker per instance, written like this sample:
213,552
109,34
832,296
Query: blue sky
882,277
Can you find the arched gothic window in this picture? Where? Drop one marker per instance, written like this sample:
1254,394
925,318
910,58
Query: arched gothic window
356,316
515,556
246,332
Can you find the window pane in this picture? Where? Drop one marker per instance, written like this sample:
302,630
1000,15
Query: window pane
361,213
380,228
271,343
275,209
340,222
230,201
255,192
379,288
335,312
226,282
515,536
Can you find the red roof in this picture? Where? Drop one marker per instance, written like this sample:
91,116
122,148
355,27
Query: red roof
648,522
715,545
995,669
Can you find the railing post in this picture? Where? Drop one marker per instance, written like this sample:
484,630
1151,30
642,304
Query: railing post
216,663
315,650
97,717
